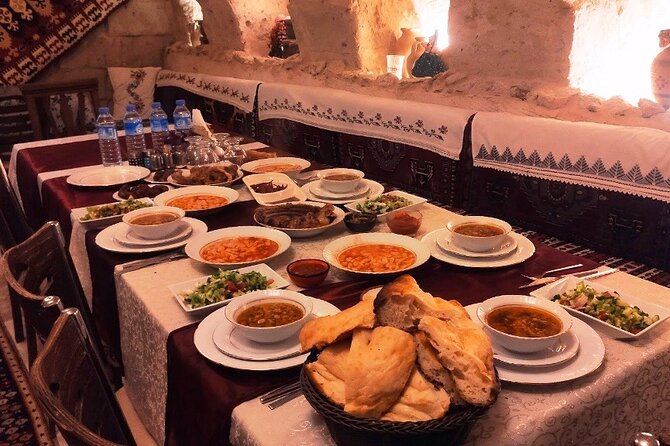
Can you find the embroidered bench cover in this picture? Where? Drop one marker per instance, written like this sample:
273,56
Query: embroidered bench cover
631,160
432,127
240,93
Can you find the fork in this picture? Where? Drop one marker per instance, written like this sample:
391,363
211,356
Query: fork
577,265
281,395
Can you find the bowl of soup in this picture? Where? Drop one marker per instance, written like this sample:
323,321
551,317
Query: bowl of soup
478,234
340,180
524,324
268,316
154,222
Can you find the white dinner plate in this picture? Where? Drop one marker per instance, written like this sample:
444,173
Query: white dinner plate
181,289
108,176
195,245
128,237
307,232
117,197
413,199
171,180
374,189
317,189
565,348
570,282
106,239
231,195
525,249
252,166
332,250
507,246
587,360
291,190
204,343
97,223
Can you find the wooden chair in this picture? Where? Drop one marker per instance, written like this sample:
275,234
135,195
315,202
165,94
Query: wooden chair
59,108
38,267
14,123
69,381
14,228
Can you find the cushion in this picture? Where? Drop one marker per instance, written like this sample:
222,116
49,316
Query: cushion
133,86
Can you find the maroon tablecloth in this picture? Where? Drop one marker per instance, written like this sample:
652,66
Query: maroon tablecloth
31,162
202,395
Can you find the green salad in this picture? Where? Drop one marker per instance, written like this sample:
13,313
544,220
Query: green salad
224,285
383,204
606,306
109,210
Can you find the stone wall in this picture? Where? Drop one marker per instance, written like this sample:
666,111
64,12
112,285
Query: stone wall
135,35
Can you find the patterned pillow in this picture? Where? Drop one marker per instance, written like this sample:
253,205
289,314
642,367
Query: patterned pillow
133,86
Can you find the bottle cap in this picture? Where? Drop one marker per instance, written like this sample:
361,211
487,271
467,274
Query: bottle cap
155,105
180,102
103,110
131,108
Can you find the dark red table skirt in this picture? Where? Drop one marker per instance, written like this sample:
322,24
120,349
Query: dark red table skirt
202,395
31,162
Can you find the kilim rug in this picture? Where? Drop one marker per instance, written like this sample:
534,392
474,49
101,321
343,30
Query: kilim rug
21,420
35,32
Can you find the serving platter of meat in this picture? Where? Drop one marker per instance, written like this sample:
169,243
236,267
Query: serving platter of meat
212,175
140,191
300,220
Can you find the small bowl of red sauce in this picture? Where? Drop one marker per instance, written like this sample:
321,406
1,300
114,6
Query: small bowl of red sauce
308,273
404,222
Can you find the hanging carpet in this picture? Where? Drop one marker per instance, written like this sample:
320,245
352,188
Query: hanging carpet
35,32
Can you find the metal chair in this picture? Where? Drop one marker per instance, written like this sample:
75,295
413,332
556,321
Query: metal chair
14,228
38,267
60,108
69,381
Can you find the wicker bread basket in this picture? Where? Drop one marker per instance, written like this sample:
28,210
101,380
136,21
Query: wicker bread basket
349,430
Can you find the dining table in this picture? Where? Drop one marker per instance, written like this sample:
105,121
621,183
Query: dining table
184,398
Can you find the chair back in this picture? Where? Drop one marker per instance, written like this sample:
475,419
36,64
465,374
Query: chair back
14,123
13,214
69,381
38,267
60,109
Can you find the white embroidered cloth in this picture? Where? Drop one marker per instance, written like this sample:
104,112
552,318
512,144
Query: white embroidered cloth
432,127
238,92
631,160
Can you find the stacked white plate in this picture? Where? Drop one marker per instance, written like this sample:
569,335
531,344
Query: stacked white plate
366,188
563,361
515,248
121,238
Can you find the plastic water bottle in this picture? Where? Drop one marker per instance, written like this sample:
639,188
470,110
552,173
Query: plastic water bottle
132,124
108,138
182,118
159,126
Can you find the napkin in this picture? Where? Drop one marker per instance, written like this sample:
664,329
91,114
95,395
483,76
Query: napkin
200,127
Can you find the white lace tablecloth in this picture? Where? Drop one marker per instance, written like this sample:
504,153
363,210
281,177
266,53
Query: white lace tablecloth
433,127
628,394
148,313
631,160
238,92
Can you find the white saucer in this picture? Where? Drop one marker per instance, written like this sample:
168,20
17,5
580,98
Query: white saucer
128,237
317,189
230,342
524,250
204,343
586,360
565,348
106,238
374,188
508,245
